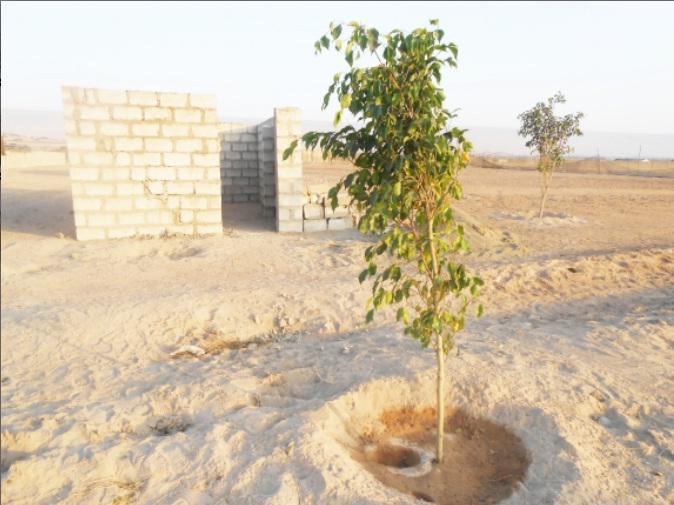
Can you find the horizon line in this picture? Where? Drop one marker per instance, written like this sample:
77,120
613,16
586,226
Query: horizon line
328,121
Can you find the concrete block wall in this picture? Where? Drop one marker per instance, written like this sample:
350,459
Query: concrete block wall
247,164
318,214
142,163
155,163
239,164
289,174
277,184
267,167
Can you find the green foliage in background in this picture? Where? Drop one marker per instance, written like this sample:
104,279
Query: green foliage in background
548,136
408,159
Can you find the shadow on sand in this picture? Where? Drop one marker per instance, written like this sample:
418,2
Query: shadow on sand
35,212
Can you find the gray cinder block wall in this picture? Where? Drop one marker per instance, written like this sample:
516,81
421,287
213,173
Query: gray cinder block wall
239,163
267,164
253,168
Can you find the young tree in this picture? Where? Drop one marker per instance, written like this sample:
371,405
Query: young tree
549,138
407,160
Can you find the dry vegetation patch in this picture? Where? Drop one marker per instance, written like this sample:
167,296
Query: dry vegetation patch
205,342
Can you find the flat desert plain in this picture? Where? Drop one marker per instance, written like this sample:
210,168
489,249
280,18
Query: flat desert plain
237,369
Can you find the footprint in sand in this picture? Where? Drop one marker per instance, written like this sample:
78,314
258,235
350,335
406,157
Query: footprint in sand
19,446
299,384
635,434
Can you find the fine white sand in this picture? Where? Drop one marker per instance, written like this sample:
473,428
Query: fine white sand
575,353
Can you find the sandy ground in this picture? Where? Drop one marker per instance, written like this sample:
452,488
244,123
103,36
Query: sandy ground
575,353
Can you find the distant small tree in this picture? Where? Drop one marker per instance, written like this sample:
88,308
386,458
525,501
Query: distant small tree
408,161
549,138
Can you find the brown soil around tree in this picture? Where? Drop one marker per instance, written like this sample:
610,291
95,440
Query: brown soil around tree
483,461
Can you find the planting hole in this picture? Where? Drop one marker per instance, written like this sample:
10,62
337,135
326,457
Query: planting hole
396,456
422,496
483,462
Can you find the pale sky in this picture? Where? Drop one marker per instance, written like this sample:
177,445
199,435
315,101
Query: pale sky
613,60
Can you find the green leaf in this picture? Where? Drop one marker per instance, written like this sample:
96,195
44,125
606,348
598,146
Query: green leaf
336,31
362,41
289,150
370,316
372,39
362,276
345,101
348,55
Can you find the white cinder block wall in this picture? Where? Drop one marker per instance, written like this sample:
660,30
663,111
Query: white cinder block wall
142,163
289,173
318,212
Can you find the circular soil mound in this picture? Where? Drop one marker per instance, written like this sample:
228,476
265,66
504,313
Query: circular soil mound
483,461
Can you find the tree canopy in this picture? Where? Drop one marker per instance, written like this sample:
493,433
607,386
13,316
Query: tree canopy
548,137
407,159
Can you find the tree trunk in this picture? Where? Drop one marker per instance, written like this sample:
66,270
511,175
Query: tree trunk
440,351
545,185
544,195
441,402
